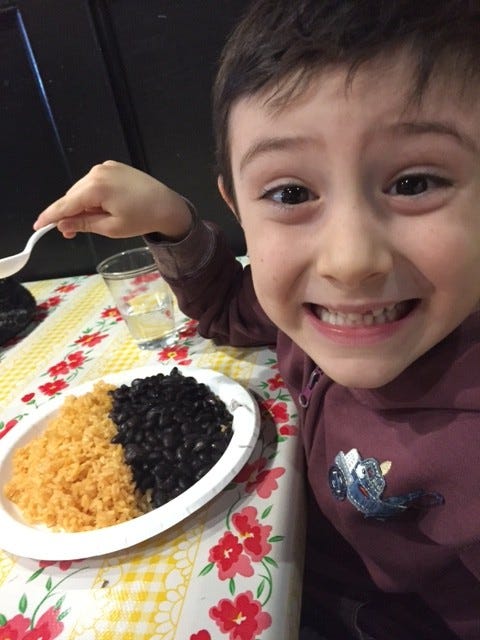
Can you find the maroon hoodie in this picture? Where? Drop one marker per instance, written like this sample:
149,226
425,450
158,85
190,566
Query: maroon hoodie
416,440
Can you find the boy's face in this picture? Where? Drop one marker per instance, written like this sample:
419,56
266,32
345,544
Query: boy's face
362,217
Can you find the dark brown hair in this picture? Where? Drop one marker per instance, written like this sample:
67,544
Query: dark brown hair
279,40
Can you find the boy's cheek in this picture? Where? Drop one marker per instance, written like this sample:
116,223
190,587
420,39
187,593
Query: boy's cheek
274,296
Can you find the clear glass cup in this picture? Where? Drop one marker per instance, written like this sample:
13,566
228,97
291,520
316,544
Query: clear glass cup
142,296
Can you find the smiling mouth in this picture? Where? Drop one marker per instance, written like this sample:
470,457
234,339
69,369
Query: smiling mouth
377,316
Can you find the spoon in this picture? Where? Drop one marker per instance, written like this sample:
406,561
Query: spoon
12,264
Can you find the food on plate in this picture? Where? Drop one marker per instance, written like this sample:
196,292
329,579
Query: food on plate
71,477
117,452
173,430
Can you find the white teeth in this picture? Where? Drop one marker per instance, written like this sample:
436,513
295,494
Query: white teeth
391,314
375,316
354,318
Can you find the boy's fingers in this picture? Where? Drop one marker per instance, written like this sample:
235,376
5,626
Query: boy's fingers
72,204
69,235
87,193
62,208
44,218
91,221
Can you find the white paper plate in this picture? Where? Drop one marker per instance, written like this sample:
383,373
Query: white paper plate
20,538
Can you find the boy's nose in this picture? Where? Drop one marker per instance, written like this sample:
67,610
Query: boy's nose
354,247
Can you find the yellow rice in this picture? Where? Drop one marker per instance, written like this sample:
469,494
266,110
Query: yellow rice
71,477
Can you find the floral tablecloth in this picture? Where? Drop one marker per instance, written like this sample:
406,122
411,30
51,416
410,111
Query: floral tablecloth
232,570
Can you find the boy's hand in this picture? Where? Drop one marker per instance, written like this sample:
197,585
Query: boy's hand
118,201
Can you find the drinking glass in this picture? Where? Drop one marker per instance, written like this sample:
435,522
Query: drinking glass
142,296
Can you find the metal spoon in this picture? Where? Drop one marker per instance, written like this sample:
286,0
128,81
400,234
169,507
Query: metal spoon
12,264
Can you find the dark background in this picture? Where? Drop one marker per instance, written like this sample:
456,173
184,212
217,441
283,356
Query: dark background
86,81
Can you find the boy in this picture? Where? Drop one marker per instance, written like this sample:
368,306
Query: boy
348,142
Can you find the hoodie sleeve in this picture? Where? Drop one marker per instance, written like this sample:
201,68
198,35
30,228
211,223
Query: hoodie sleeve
212,286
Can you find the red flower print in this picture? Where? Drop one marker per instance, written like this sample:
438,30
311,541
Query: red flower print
259,479
51,388
59,369
7,427
275,383
75,359
242,618
111,312
53,301
148,277
40,314
27,397
63,565
201,635
229,557
47,627
91,339
72,361
288,430
66,288
278,410
189,330
173,353
253,535
15,628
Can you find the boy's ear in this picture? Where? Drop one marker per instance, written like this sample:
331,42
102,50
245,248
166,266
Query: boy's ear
228,200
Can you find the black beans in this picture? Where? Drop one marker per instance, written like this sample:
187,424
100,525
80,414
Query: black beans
173,429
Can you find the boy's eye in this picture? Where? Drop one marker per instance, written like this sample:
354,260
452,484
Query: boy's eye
290,194
416,184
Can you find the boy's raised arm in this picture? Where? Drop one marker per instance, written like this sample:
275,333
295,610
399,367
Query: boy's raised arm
118,201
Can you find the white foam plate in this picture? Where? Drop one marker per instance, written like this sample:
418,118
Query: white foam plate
31,541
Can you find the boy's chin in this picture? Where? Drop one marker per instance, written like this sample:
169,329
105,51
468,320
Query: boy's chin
359,374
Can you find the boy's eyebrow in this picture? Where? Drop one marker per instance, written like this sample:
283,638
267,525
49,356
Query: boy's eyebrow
443,128
264,145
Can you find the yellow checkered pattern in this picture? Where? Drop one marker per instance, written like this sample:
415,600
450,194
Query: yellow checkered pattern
139,596
231,362
31,358
6,565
